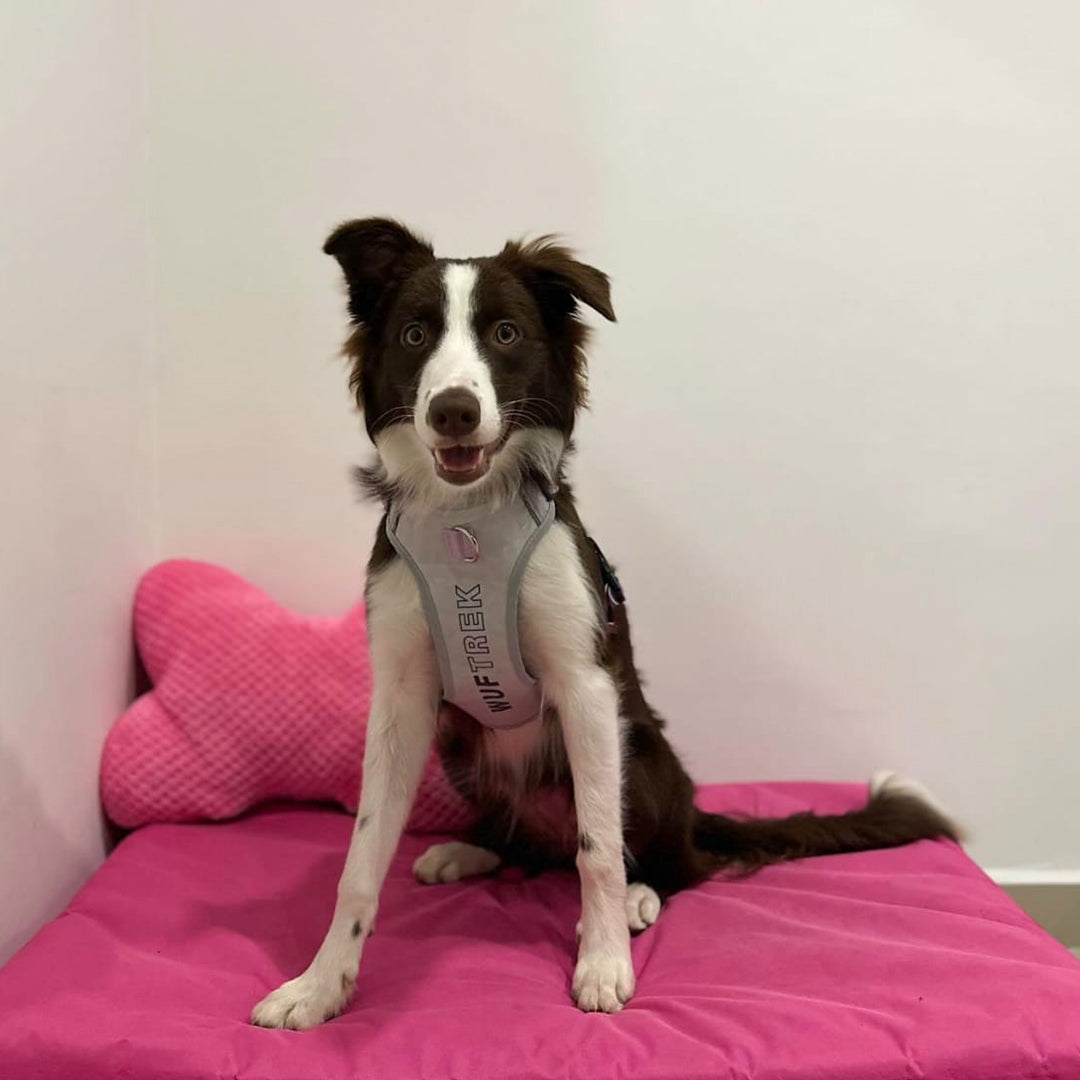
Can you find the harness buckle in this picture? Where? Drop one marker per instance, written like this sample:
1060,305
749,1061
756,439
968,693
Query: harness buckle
614,597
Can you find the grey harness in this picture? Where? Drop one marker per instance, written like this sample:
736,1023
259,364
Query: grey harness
468,565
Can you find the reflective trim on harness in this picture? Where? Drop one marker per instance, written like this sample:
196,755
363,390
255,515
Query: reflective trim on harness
468,565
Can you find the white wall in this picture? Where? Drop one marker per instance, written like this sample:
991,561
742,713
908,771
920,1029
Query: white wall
833,446
834,443
275,122
75,430
852,269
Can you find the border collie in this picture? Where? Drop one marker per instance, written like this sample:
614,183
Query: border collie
470,373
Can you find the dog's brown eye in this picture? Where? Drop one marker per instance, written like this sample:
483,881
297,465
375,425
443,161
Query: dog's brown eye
413,335
506,333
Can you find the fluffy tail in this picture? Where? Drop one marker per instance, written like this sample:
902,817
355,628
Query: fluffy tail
899,812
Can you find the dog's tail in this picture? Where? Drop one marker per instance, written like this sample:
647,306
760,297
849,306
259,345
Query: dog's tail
899,811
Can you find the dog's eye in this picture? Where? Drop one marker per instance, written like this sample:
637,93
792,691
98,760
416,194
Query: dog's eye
506,333
413,335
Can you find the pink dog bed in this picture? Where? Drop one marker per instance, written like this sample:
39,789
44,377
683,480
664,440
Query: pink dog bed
893,964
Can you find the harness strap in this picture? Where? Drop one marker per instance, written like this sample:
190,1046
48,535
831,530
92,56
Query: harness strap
468,565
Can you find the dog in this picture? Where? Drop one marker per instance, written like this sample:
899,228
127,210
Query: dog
470,374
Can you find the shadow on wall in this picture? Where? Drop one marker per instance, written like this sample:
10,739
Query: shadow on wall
42,869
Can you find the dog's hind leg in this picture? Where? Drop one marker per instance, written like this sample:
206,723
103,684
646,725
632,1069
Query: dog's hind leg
642,906
453,861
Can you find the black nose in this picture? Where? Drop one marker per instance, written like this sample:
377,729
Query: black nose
454,412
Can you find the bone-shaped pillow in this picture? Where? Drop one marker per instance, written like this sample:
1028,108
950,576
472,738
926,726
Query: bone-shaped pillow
249,702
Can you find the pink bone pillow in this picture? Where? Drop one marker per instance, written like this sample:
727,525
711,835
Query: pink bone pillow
250,702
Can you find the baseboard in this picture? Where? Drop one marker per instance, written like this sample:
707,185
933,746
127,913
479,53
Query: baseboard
1050,897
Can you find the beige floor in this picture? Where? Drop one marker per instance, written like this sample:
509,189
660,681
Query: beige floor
1054,907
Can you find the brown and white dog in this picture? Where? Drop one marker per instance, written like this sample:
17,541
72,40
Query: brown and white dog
470,373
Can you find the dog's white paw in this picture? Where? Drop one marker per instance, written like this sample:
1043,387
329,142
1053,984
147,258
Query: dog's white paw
303,1002
642,906
453,861
603,981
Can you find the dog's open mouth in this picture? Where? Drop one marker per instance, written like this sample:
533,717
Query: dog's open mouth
461,464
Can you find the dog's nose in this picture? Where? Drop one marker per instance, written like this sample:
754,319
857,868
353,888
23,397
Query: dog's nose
454,412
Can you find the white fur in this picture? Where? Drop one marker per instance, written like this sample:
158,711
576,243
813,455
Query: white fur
453,861
885,780
560,620
405,461
457,361
400,729
642,906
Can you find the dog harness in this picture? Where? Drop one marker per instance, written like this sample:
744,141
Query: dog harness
468,565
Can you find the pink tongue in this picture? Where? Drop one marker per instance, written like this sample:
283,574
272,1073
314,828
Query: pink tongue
460,458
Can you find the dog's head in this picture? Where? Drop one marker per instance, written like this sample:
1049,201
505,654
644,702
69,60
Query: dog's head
468,371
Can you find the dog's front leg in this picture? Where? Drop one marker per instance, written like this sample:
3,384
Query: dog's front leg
400,730
588,707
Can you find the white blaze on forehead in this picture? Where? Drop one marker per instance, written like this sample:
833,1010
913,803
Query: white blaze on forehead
459,283
457,360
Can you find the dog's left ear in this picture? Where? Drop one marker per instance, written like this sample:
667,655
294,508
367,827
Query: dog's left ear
375,253
557,277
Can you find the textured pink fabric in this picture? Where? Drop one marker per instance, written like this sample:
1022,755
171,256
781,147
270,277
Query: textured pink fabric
250,702
890,965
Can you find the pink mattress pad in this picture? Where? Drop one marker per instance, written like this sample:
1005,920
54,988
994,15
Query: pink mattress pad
893,964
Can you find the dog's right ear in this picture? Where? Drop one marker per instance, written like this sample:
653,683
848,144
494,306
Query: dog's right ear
374,253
